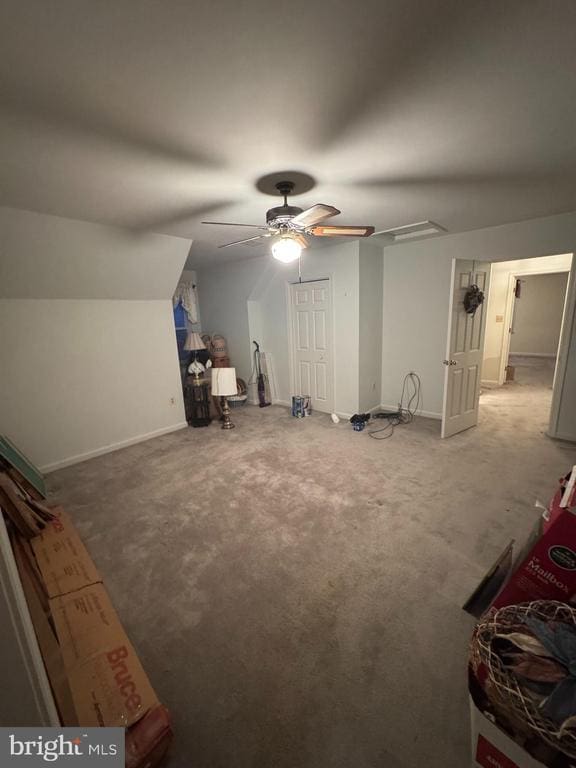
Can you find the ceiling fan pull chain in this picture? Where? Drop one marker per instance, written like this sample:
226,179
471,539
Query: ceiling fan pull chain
300,267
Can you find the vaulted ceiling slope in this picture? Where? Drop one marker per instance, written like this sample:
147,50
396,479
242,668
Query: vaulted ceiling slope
154,115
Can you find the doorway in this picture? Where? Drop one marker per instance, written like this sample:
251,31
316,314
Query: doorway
534,334
525,344
311,346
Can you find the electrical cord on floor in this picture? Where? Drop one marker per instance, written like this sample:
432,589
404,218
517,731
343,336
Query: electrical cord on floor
411,391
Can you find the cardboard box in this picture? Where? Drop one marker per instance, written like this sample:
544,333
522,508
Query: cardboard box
548,569
499,739
493,748
108,684
45,634
95,674
62,558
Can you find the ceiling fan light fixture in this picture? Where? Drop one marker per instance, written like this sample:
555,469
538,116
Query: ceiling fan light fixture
286,249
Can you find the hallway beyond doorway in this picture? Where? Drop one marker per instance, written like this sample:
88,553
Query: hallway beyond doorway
525,402
532,371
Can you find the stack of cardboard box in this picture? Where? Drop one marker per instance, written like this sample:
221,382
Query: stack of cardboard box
94,671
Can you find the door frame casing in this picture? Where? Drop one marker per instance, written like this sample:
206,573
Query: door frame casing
290,321
447,349
567,328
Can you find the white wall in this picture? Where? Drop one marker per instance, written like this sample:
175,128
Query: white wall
417,287
415,318
86,375
497,317
538,315
370,324
87,341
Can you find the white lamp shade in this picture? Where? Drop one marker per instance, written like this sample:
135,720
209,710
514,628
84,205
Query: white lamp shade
193,342
286,249
224,382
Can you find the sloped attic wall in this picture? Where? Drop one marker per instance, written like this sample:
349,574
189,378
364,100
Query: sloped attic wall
87,341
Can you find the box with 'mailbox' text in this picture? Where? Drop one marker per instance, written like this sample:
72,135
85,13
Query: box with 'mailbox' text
548,570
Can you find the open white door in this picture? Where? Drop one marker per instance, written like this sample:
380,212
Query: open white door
464,349
312,343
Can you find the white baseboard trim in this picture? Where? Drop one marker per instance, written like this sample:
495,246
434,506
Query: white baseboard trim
425,414
489,383
110,448
533,354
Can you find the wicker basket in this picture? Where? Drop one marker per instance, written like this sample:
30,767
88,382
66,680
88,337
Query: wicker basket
516,702
237,401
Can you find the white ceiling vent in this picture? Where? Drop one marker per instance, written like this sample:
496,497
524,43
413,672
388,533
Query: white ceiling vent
410,231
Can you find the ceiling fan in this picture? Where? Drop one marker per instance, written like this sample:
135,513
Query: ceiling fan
290,226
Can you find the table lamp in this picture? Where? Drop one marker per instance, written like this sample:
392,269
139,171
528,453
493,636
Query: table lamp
223,386
197,363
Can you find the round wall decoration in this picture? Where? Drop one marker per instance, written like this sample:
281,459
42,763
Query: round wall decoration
472,299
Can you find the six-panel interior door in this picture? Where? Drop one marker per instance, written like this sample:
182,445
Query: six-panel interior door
465,349
312,343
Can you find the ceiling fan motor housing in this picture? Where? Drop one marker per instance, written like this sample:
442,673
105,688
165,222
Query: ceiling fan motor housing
281,214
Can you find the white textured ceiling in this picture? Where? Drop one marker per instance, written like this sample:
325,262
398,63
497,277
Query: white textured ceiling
153,115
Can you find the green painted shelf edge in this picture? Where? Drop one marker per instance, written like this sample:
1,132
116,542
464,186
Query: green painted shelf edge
16,458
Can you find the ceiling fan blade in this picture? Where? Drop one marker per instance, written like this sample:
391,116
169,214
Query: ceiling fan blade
301,239
230,224
239,242
314,214
340,231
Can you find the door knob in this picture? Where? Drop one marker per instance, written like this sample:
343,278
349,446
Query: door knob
449,362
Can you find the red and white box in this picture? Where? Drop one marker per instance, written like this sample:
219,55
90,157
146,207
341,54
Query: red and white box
548,570
493,748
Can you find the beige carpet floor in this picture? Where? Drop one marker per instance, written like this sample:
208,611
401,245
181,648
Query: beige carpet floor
294,587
